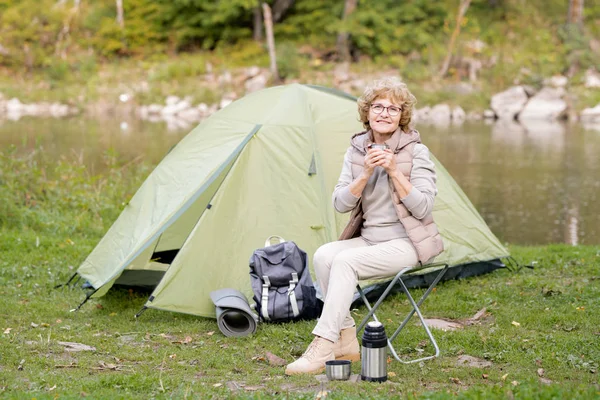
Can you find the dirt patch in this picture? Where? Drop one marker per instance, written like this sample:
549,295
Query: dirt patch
474,362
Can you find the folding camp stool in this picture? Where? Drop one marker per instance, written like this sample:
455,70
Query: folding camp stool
415,308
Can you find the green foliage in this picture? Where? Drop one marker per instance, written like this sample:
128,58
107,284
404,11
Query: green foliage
289,62
386,27
184,68
62,198
69,40
204,23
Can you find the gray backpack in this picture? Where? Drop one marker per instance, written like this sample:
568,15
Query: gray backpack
281,282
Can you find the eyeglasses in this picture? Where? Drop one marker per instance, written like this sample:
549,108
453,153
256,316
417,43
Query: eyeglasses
393,111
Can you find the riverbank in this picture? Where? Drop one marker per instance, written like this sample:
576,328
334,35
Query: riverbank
186,89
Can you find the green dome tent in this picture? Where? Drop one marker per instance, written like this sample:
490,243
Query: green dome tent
264,165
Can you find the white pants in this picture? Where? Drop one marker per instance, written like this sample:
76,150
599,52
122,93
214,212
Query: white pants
340,265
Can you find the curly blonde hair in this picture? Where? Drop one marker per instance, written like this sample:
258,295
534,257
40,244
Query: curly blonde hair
392,89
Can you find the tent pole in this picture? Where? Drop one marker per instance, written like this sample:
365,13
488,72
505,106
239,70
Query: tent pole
140,312
67,283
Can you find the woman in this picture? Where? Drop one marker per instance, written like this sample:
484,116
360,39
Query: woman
390,191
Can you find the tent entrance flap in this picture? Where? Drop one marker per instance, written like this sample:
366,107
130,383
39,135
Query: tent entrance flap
144,279
164,257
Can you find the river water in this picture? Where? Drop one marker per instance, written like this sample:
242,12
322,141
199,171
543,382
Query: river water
533,184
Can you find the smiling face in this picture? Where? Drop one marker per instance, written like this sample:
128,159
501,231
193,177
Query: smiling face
384,123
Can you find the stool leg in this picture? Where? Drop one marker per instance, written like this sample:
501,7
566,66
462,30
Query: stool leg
421,300
415,309
379,301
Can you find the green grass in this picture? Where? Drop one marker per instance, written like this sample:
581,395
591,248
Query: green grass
542,318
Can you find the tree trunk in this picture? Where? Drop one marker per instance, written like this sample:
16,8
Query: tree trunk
575,12
270,40
258,24
575,32
120,18
280,7
342,45
462,10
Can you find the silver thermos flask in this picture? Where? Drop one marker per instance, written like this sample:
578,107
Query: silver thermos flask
374,353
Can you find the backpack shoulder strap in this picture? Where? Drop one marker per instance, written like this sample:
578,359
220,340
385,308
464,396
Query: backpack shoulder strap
292,294
264,304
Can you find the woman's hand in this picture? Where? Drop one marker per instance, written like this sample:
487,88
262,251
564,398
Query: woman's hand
381,158
371,161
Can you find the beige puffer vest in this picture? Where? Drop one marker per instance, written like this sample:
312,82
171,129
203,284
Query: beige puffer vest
423,233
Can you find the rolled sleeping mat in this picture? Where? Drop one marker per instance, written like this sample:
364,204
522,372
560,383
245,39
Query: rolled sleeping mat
234,315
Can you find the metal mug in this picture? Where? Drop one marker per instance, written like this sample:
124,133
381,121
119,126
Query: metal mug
379,146
338,370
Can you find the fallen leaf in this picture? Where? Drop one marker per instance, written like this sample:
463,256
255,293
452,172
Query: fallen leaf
7,331
34,325
322,394
112,314
72,346
172,356
58,321
217,385
210,333
52,388
391,374
275,360
258,358
546,381
484,376
504,377
456,380
44,325
515,323
20,367
515,383
252,388
99,306
540,372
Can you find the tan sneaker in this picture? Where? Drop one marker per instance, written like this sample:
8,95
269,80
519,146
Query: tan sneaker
347,347
314,358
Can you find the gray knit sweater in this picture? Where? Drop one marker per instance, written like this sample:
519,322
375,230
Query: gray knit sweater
381,222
